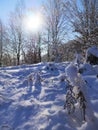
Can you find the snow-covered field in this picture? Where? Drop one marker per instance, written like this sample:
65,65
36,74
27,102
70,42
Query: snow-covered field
32,97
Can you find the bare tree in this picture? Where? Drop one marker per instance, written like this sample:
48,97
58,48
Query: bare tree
31,50
16,31
83,17
3,41
39,46
56,24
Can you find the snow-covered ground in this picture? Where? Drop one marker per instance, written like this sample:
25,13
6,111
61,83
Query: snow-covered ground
32,97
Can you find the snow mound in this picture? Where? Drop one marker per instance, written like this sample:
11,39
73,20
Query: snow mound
93,50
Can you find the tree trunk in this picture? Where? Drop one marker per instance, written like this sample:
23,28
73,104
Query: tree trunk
39,48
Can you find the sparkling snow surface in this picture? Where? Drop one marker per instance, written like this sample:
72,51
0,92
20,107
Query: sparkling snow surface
32,97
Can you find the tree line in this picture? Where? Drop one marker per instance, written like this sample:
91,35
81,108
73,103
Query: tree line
64,20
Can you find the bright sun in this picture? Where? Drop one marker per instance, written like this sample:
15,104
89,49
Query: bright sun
33,22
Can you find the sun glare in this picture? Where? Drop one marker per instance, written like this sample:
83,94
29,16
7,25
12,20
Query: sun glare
33,22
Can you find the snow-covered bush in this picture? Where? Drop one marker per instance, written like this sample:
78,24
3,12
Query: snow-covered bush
79,91
92,55
71,73
70,101
81,100
37,83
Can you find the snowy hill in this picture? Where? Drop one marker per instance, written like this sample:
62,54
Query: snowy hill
32,97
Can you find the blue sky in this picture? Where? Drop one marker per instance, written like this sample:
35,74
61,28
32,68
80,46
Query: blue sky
6,6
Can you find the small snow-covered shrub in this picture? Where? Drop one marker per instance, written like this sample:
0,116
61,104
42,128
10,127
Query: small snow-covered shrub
80,91
70,102
92,55
81,100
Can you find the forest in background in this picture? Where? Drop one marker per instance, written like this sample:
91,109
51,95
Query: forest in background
70,27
